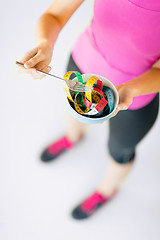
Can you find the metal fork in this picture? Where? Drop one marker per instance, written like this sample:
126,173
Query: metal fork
80,87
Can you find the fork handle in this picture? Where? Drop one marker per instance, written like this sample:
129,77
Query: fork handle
40,71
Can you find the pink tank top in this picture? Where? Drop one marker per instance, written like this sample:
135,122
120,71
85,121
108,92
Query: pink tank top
122,42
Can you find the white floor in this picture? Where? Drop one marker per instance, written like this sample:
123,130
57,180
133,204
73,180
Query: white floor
36,198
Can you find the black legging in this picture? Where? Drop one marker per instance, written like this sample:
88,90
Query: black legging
128,127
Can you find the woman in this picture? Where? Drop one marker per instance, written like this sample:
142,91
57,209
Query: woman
121,44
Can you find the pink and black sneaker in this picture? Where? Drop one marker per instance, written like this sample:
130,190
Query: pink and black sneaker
56,148
90,206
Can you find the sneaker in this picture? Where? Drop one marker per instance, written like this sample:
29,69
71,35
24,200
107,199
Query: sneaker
90,206
56,148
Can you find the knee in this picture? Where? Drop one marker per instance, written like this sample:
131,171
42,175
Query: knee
122,155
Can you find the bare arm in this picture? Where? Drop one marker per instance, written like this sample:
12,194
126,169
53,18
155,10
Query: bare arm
54,18
148,82
48,27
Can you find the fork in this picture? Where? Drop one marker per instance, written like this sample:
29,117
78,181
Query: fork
80,87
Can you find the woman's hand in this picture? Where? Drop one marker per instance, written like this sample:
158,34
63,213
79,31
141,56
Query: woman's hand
125,98
37,58
47,30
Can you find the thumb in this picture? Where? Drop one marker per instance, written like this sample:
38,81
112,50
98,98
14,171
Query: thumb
33,61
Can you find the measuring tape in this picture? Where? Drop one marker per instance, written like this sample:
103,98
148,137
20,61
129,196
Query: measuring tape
95,103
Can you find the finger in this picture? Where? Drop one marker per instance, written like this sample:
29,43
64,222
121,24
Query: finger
33,71
21,69
34,60
42,64
122,107
29,55
34,74
46,69
38,75
30,71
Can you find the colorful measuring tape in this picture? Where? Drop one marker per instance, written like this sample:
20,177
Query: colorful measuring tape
96,103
